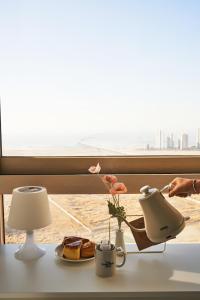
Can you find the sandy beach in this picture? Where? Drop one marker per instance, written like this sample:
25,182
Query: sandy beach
87,216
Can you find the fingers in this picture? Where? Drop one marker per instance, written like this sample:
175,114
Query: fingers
173,191
173,187
183,195
176,188
180,187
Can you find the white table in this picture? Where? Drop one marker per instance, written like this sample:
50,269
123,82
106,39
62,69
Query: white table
174,274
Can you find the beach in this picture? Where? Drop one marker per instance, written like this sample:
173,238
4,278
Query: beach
87,216
90,150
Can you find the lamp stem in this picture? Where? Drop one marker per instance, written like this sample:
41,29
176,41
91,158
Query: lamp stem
29,250
29,237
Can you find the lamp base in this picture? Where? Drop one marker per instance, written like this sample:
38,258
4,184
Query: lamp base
29,251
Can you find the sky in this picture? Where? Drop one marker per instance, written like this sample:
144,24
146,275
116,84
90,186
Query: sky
81,68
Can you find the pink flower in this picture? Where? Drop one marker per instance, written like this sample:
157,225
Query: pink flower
118,188
109,179
95,169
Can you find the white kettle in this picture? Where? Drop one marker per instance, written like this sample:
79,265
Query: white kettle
162,221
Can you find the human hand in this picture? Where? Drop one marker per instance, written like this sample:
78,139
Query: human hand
181,187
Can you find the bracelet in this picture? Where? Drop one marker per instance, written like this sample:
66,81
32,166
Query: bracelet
194,186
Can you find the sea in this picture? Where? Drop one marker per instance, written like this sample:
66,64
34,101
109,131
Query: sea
102,143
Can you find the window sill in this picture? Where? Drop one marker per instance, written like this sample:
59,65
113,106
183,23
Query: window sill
170,275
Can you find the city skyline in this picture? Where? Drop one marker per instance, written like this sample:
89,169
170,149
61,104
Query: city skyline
176,142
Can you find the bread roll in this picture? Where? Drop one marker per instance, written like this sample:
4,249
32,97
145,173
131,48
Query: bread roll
87,249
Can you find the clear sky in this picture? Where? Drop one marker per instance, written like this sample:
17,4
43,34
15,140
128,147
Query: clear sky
91,66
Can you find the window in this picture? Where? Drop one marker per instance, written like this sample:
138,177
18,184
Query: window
99,78
99,81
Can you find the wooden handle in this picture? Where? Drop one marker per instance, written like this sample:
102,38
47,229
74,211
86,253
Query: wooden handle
132,227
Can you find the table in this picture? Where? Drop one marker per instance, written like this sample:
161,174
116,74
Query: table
174,274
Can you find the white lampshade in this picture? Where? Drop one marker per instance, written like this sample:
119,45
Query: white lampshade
29,208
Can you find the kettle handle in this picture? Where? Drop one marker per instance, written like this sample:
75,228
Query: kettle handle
134,228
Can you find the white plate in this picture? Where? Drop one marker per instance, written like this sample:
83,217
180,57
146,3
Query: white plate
59,251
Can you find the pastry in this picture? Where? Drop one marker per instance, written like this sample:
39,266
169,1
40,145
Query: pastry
87,249
84,240
76,247
72,250
70,239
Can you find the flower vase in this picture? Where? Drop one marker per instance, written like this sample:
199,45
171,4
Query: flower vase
119,240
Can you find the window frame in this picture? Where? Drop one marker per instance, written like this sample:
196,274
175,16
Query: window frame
69,175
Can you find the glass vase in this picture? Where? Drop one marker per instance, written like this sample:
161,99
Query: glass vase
119,240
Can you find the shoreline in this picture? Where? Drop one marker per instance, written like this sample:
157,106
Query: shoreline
87,150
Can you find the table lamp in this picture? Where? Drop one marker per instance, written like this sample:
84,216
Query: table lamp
29,210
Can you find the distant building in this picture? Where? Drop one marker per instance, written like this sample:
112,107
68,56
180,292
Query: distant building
179,144
184,141
198,138
159,140
170,142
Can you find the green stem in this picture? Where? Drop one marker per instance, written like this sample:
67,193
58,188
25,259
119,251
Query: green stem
119,223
